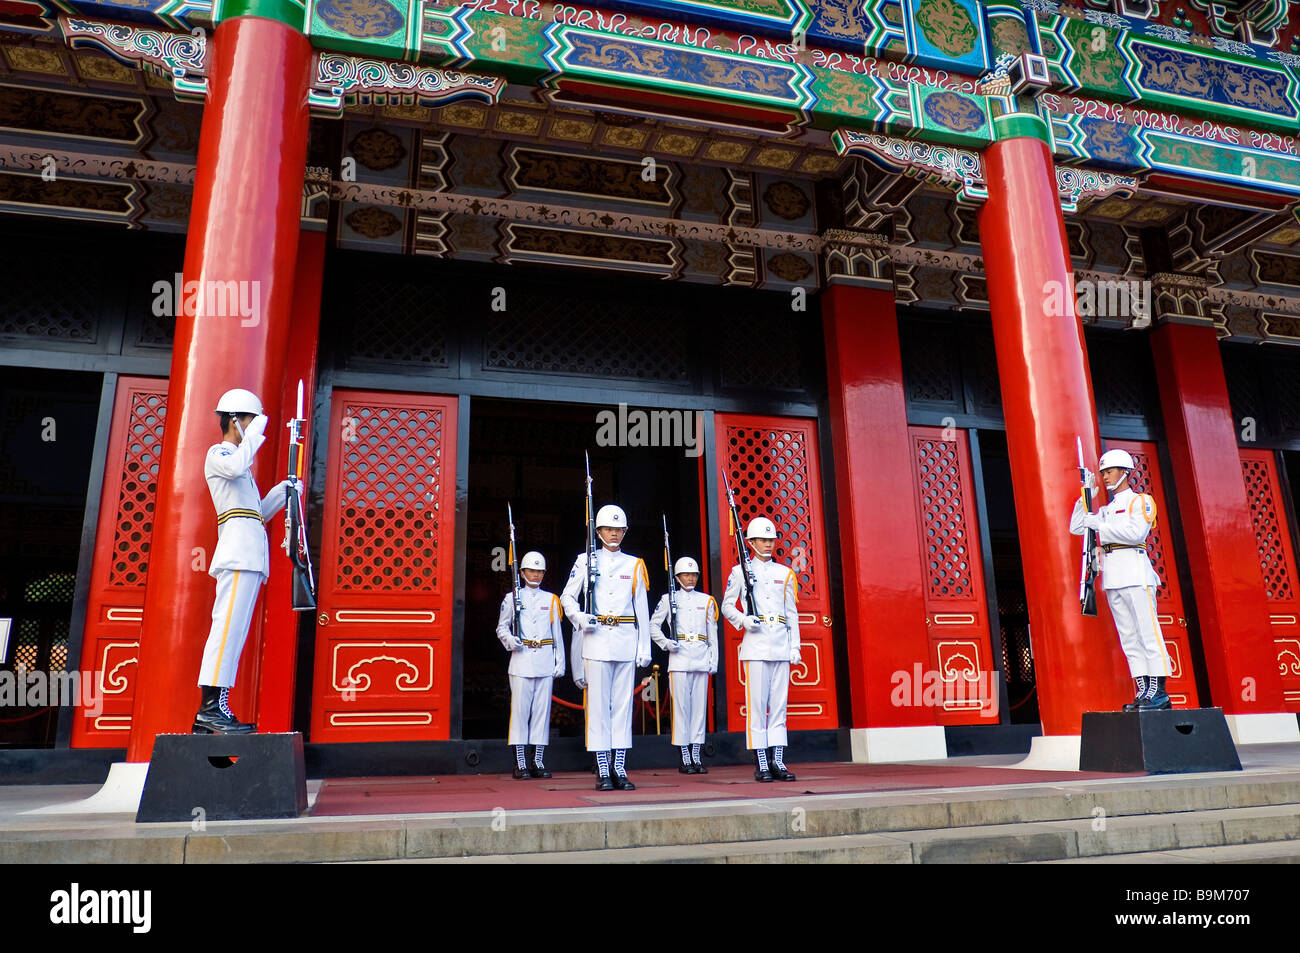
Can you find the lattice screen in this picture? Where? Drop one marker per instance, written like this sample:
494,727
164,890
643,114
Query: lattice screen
133,525
1140,481
779,341
947,539
389,490
45,304
768,470
929,364
397,322
608,336
1270,525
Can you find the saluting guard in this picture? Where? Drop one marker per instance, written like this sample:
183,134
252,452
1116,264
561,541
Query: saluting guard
536,660
241,561
694,657
615,641
770,646
1122,526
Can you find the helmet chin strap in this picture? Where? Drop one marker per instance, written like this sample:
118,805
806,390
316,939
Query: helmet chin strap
1120,482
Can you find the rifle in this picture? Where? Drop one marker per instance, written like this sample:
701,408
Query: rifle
295,520
672,584
514,575
747,568
1088,571
590,588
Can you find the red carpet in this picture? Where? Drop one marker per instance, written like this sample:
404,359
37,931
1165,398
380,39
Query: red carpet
484,792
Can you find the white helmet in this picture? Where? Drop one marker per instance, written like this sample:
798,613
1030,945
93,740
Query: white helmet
611,515
1115,458
685,564
533,560
239,401
760,527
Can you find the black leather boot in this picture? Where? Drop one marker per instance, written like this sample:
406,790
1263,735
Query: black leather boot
1141,682
1159,699
215,717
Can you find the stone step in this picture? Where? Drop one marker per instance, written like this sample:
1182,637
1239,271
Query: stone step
1268,831
1006,824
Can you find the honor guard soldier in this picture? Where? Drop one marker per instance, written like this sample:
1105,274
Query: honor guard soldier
694,657
536,660
615,639
770,646
241,561
1122,526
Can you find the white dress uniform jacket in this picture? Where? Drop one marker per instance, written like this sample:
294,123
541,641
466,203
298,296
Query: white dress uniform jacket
241,510
697,631
776,594
1125,522
543,653
622,585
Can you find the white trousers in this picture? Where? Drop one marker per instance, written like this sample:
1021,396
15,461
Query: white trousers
608,700
1134,610
232,613
530,710
690,691
767,688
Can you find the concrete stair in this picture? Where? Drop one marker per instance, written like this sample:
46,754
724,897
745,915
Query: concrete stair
1210,819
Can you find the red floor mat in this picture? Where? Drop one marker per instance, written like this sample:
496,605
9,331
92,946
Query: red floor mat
485,792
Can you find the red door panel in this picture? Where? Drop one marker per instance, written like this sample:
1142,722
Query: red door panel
110,647
1169,597
383,634
1277,561
772,463
956,609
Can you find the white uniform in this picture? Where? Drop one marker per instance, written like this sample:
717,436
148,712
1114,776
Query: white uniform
242,560
1128,578
534,663
620,643
767,652
694,661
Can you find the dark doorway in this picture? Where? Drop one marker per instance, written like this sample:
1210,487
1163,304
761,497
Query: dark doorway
530,454
1008,571
47,435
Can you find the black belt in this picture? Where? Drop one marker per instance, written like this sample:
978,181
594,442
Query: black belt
239,514
1111,547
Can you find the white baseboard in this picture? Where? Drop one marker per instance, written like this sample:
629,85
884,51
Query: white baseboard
119,795
886,745
1266,729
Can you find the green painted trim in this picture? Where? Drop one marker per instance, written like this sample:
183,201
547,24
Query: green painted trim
1014,125
289,12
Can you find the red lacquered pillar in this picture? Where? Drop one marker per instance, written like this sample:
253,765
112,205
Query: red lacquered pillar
244,229
1231,606
1048,402
880,545
279,644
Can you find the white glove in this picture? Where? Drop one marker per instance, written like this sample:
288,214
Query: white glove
1089,481
588,623
753,623
255,433
580,682
513,644
559,670
1092,521
794,657
293,484
642,661
673,646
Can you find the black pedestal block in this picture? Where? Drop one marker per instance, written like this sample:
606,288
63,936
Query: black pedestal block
1158,742
231,777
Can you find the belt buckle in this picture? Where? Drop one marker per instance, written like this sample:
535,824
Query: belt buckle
609,620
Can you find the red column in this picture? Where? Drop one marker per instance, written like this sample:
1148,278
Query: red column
1047,400
243,228
1230,601
279,643
879,538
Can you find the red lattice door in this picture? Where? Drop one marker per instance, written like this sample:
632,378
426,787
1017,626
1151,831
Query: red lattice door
772,464
1277,563
1169,597
961,664
383,633
110,647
